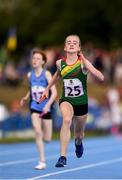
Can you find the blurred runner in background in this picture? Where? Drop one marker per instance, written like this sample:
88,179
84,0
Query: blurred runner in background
114,110
39,78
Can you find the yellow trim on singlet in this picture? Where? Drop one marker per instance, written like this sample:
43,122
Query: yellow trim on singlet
69,68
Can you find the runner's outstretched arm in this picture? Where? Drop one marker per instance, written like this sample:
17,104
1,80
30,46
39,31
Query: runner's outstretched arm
91,68
45,94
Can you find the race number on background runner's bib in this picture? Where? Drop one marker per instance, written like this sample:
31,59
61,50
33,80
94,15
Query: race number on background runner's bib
37,92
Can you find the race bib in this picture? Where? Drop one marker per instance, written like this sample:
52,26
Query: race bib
73,87
36,92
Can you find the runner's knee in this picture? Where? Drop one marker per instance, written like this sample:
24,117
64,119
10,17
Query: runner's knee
67,122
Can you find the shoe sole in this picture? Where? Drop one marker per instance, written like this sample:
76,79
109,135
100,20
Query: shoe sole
39,169
60,166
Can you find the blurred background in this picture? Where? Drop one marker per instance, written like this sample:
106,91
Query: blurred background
25,24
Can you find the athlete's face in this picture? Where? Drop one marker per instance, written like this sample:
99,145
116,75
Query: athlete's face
37,60
72,44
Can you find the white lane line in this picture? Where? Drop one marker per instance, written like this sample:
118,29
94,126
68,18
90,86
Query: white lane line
23,151
17,162
79,168
29,160
89,151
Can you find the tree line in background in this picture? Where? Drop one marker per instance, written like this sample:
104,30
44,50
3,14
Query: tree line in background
48,22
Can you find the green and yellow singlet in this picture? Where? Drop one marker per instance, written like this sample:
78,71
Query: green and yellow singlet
74,83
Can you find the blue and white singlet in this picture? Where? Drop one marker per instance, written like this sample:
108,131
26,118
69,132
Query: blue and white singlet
37,87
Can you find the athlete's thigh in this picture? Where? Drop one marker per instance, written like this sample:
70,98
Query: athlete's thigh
47,129
66,109
36,121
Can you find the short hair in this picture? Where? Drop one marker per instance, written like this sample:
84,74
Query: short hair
39,51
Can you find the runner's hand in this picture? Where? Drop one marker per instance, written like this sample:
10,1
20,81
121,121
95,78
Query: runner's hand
44,96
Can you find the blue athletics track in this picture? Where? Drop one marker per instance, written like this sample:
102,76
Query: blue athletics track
102,159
